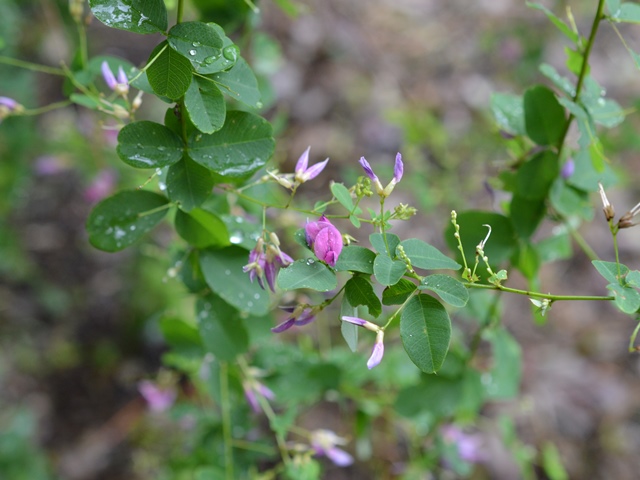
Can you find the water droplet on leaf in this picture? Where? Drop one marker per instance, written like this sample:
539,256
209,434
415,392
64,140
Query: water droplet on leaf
192,52
231,53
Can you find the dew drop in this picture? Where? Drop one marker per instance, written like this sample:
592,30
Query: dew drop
249,304
259,105
601,102
227,272
161,149
256,296
236,238
162,186
231,53
196,44
210,60
192,52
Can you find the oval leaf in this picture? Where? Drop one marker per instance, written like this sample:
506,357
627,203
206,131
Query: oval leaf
240,148
349,330
356,259
359,291
120,220
188,183
627,298
239,83
423,255
307,274
543,116
222,62
205,105
387,271
447,288
149,145
138,16
425,329
170,73
534,178
222,270
201,228
196,41
221,328
397,294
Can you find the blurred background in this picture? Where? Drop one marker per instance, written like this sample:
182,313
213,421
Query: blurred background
79,327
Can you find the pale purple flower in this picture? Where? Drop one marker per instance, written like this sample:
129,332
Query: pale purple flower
304,173
361,323
158,399
275,259
265,265
377,352
324,239
252,388
300,315
324,443
119,85
568,168
49,165
101,186
398,171
10,103
469,445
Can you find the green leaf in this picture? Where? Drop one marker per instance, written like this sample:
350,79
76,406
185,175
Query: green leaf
447,288
179,334
342,195
222,270
170,74
221,329
633,278
147,144
239,83
307,274
237,150
534,177
544,116
563,83
377,241
609,270
205,105
397,294
503,380
552,462
575,61
202,228
387,271
138,16
627,298
222,62
587,176
526,215
508,110
606,112
500,244
569,201
556,247
613,6
425,329
359,291
354,258
628,12
560,25
527,260
349,330
120,220
196,41
188,183
423,255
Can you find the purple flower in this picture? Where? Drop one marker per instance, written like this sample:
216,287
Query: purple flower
324,443
398,171
300,315
10,103
568,168
324,239
275,259
361,323
304,173
119,85
257,263
157,398
101,186
266,264
252,388
49,165
377,352
469,445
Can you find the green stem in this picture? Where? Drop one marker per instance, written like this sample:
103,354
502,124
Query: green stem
538,294
46,108
226,420
82,40
180,11
31,66
393,317
632,340
155,210
582,243
583,70
614,234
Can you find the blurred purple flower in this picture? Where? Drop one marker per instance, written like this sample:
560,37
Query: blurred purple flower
469,445
275,260
300,315
101,186
568,168
49,165
158,399
325,240
119,85
324,443
9,103
252,388
304,173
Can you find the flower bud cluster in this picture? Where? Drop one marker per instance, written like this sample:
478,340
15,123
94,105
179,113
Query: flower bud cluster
398,171
265,260
626,221
324,239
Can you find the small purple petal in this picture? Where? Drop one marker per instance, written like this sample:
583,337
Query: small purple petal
376,355
355,320
303,161
10,103
266,392
311,229
368,170
158,399
568,168
328,245
289,309
339,457
398,169
107,74
122,77
306,317
286,325
270,271
313,171
251,399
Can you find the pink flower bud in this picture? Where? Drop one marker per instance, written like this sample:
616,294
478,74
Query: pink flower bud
328,245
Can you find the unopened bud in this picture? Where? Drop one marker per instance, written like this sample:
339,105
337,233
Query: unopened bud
137,101
607,208
626,221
